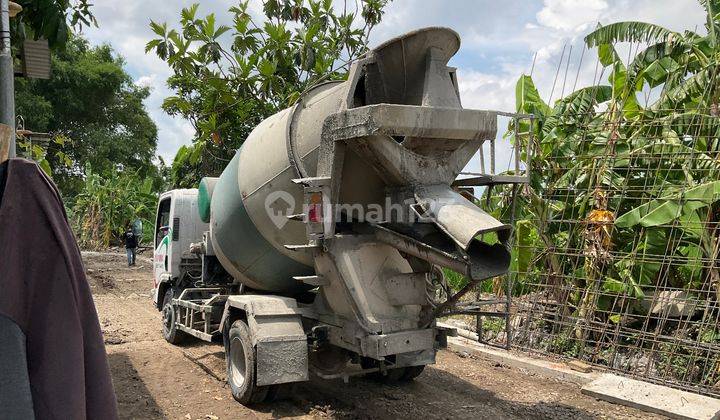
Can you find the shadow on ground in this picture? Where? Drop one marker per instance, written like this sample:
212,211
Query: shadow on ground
134,399
435,394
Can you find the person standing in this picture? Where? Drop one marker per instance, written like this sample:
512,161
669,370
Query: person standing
130,245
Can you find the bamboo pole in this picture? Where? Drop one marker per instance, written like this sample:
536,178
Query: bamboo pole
7,88
5,141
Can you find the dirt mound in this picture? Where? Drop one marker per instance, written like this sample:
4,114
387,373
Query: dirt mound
108,272
99,282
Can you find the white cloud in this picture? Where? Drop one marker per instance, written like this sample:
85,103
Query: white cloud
568,15
147,81
487,91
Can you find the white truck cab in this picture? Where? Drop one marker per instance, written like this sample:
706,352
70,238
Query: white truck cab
177,225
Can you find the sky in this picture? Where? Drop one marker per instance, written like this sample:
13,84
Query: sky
500,41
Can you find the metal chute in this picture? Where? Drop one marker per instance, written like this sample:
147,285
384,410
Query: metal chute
460,219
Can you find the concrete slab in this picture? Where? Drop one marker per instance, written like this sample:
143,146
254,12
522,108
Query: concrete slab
540,367
645,396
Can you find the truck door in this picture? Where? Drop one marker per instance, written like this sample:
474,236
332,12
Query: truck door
162,242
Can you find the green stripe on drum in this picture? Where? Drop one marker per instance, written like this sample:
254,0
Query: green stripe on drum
205,193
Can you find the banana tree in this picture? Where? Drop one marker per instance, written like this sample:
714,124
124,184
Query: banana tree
107,204
590,146
557,191
684,125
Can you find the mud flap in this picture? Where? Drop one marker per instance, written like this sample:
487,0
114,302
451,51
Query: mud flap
278,336
281,361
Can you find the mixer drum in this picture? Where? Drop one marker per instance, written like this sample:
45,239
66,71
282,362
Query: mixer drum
250,201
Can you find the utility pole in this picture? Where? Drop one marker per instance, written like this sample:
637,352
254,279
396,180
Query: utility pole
7,75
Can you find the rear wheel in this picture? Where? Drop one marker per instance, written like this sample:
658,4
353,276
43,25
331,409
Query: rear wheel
241,366
403,374
389,376
280,392
392,375
170,331
412,372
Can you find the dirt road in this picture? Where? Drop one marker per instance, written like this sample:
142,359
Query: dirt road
154,379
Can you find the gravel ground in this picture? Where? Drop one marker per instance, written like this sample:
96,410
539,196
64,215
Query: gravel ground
154,379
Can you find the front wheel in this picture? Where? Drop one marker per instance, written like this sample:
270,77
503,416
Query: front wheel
171,333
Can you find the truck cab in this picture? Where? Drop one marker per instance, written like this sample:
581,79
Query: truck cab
177,225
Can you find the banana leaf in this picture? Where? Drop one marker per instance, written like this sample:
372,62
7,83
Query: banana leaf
666,209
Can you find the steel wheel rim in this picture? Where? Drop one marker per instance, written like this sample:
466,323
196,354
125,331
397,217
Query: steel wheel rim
237,362
167,319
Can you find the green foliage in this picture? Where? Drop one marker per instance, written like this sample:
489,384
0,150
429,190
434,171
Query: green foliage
660,161
710,336
108,203
565,345
528,98
525,239
227,79
671,206
94,112
40,154
493,324
676,362
51,19
455,280
574,108
627,32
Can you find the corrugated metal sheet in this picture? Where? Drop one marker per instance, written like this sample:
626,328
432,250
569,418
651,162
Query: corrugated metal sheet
36,59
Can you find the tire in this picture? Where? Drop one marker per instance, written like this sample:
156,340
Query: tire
170,331
412,372
241,366
393,375
390,376
280,392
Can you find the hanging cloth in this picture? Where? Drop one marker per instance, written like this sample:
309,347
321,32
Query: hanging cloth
44,292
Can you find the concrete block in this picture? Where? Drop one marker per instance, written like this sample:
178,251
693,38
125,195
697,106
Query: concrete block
580,366
540,367
652,398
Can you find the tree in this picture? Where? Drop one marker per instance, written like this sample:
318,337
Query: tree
685,117
95,110
108,203
51,19
229,78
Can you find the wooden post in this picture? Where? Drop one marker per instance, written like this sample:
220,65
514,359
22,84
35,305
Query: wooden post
5,138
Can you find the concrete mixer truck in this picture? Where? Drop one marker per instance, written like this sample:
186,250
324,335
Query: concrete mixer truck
319,249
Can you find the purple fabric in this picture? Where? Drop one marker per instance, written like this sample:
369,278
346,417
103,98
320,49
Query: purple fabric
44,290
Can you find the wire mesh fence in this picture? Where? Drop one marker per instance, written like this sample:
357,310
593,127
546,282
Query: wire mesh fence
615,252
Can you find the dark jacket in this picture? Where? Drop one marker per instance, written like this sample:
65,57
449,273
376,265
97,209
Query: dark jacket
130,240
44,292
